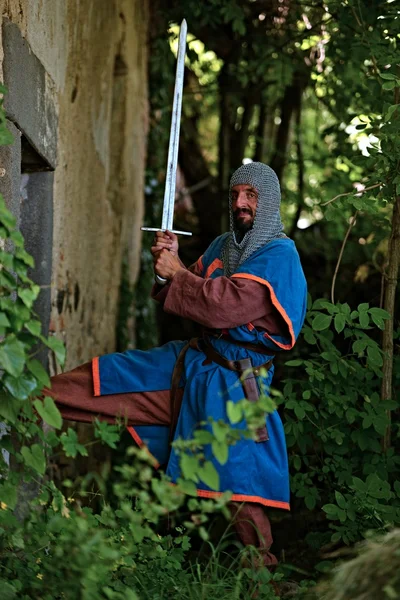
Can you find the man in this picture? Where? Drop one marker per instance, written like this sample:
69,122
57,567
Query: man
249,293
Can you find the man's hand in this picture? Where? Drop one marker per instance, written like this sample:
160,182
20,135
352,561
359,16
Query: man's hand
166,265
167,240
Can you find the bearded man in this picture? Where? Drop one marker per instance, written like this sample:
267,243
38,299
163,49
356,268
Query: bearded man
248,292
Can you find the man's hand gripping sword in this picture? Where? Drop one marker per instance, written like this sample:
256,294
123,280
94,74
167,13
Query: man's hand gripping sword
170,182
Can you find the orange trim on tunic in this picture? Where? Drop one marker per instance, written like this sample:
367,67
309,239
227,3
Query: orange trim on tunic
250,326
243,498
200,263
96,376
141,445
216,264
277,305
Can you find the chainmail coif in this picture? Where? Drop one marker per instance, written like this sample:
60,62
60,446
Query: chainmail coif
267,223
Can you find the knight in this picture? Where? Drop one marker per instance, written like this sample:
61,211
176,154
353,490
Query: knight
248,294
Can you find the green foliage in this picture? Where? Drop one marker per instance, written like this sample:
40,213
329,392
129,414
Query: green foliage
335,421
51,547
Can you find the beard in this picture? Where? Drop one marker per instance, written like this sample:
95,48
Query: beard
242,227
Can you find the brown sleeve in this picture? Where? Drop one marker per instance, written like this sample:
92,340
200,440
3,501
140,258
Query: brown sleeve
223,302
159,292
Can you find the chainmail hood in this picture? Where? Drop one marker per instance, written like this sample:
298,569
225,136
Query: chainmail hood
267,223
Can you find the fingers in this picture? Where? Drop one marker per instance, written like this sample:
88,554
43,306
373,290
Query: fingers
160,246
172,236
164,240
160,242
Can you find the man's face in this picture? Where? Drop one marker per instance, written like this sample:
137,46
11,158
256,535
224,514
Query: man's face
244,205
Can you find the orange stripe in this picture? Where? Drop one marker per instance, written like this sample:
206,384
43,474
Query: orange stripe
277,305
141,445
200,263
96,376
216,264
250,326
244,498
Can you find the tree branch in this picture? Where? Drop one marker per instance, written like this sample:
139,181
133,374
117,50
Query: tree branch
352,223
367,189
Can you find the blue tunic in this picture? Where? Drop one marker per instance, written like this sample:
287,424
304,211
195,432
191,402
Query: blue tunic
254,471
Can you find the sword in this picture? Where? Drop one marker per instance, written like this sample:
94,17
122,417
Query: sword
170,182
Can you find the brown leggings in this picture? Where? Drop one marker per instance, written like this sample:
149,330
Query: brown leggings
73,393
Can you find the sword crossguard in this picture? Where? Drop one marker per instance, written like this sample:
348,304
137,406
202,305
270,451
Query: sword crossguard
171,230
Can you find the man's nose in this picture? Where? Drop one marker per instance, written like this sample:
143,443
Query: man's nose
241,200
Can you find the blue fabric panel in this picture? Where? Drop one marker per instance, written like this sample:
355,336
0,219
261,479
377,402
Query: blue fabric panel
156,438
138,370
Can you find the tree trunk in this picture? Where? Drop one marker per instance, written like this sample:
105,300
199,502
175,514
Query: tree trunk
391,278
300,172
290,103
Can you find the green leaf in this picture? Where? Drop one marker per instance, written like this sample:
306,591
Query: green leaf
189,465
109,434
340,499
188,487
12,356
25,257
202,436
330,509
234,412
364,319
36,368
339,322
4,322
20,387
17,238
374,356
294,363
389,85
34,327
34,457
309,336
49,412
221,451
321,322
7,280
209,475
6,218
310,502
8,494
363,307
360,345
379,312
9,407
390,111
299,412
220,431
388,76
72,447
58,348
320,303
29,295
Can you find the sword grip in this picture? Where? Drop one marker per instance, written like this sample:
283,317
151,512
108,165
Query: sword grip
160,280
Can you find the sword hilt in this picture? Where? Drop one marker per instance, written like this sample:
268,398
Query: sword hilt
160,280
171,230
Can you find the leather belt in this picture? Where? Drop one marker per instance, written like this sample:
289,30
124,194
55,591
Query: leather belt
243,367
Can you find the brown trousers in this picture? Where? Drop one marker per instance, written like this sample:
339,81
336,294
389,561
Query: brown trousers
73,393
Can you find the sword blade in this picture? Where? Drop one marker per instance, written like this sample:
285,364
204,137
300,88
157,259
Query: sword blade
170,182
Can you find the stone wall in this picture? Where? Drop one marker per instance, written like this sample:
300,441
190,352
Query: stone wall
82,109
